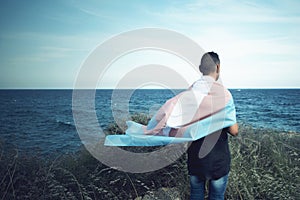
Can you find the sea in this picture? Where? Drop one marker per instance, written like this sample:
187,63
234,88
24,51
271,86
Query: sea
41,121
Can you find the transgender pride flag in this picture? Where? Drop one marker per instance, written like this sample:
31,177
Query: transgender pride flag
206,107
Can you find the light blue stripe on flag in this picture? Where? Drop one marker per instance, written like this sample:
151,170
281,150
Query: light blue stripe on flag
222,119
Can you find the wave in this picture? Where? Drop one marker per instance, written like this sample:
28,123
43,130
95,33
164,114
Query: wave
62,123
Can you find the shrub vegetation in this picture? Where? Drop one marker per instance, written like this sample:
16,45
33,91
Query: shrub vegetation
265,165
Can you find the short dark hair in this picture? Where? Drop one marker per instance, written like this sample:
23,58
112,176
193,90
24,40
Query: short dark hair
209,61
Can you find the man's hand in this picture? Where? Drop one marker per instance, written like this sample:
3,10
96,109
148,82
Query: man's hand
234,129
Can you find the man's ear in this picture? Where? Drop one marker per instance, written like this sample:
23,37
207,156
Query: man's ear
218,68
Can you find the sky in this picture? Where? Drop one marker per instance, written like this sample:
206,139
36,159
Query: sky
43,44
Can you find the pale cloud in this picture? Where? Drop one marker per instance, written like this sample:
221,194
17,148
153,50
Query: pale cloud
49,46
253,62
232,12
166,64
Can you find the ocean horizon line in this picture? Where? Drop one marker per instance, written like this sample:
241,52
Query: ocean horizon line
230,88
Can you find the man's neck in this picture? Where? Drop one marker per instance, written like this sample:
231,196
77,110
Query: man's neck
209,77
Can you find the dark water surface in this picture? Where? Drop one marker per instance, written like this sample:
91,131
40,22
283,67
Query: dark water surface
42,120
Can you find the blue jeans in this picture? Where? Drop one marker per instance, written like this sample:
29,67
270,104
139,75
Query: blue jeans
216,188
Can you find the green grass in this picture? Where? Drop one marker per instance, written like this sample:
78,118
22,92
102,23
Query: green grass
265,165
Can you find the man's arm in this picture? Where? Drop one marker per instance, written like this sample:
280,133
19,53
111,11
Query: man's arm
234,129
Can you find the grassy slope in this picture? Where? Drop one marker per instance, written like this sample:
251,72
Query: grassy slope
265,165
